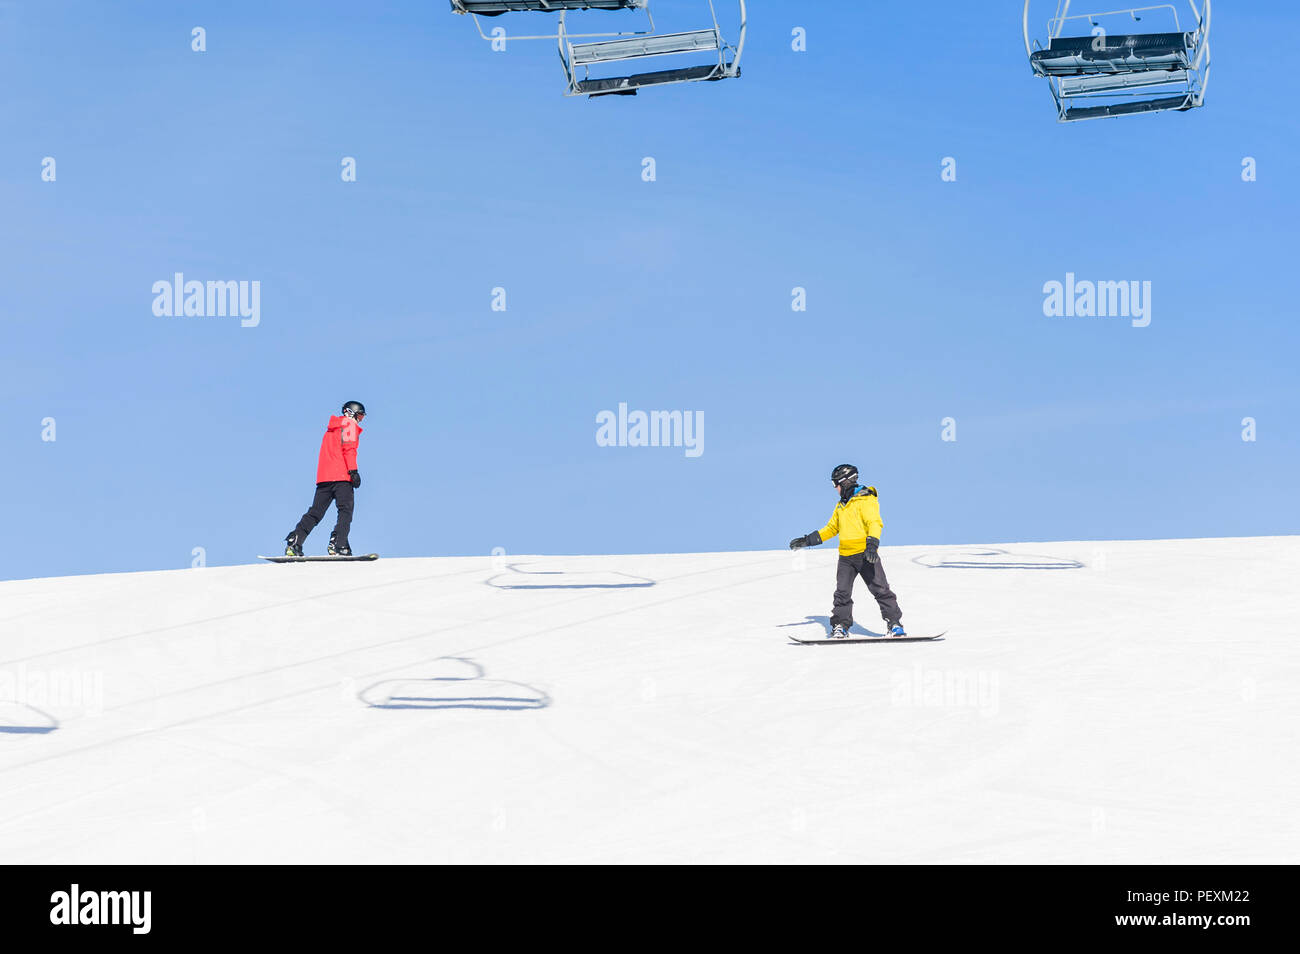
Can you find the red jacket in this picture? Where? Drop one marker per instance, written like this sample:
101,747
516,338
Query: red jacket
338,449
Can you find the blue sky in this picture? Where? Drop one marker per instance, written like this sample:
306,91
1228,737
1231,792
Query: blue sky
818,169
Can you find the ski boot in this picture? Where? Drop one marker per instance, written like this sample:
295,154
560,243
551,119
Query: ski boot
895,628
839,631
335,550
293,544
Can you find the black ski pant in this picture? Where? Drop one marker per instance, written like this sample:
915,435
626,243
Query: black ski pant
339,491
873,574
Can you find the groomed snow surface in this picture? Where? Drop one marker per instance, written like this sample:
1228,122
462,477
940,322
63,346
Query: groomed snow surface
1128,702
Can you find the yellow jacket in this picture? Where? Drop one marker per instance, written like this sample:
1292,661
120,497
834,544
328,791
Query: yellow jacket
854,522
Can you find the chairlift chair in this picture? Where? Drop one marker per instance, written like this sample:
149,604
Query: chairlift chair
621,46
1104,74
578,58
495,8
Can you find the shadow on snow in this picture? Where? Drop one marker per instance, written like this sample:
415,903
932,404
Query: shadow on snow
519,579
991,558
469,690
19,718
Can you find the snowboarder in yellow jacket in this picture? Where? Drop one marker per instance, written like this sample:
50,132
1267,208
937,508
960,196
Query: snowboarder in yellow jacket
856,521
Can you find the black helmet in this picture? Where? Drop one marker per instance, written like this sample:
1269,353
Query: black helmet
844,474
354,409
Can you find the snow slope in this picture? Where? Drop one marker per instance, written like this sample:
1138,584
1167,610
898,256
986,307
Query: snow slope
1089,705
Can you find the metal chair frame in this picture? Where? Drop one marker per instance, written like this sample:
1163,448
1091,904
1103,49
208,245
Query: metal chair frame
618,46
1132,76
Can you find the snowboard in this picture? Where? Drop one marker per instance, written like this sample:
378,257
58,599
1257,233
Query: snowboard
321,559
826,640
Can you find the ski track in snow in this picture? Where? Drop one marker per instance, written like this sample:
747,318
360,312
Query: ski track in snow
1089,704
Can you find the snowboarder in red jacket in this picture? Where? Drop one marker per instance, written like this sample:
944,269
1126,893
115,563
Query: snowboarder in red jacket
336,479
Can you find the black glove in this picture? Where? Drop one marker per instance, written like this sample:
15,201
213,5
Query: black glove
355,476
811,540
872,546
